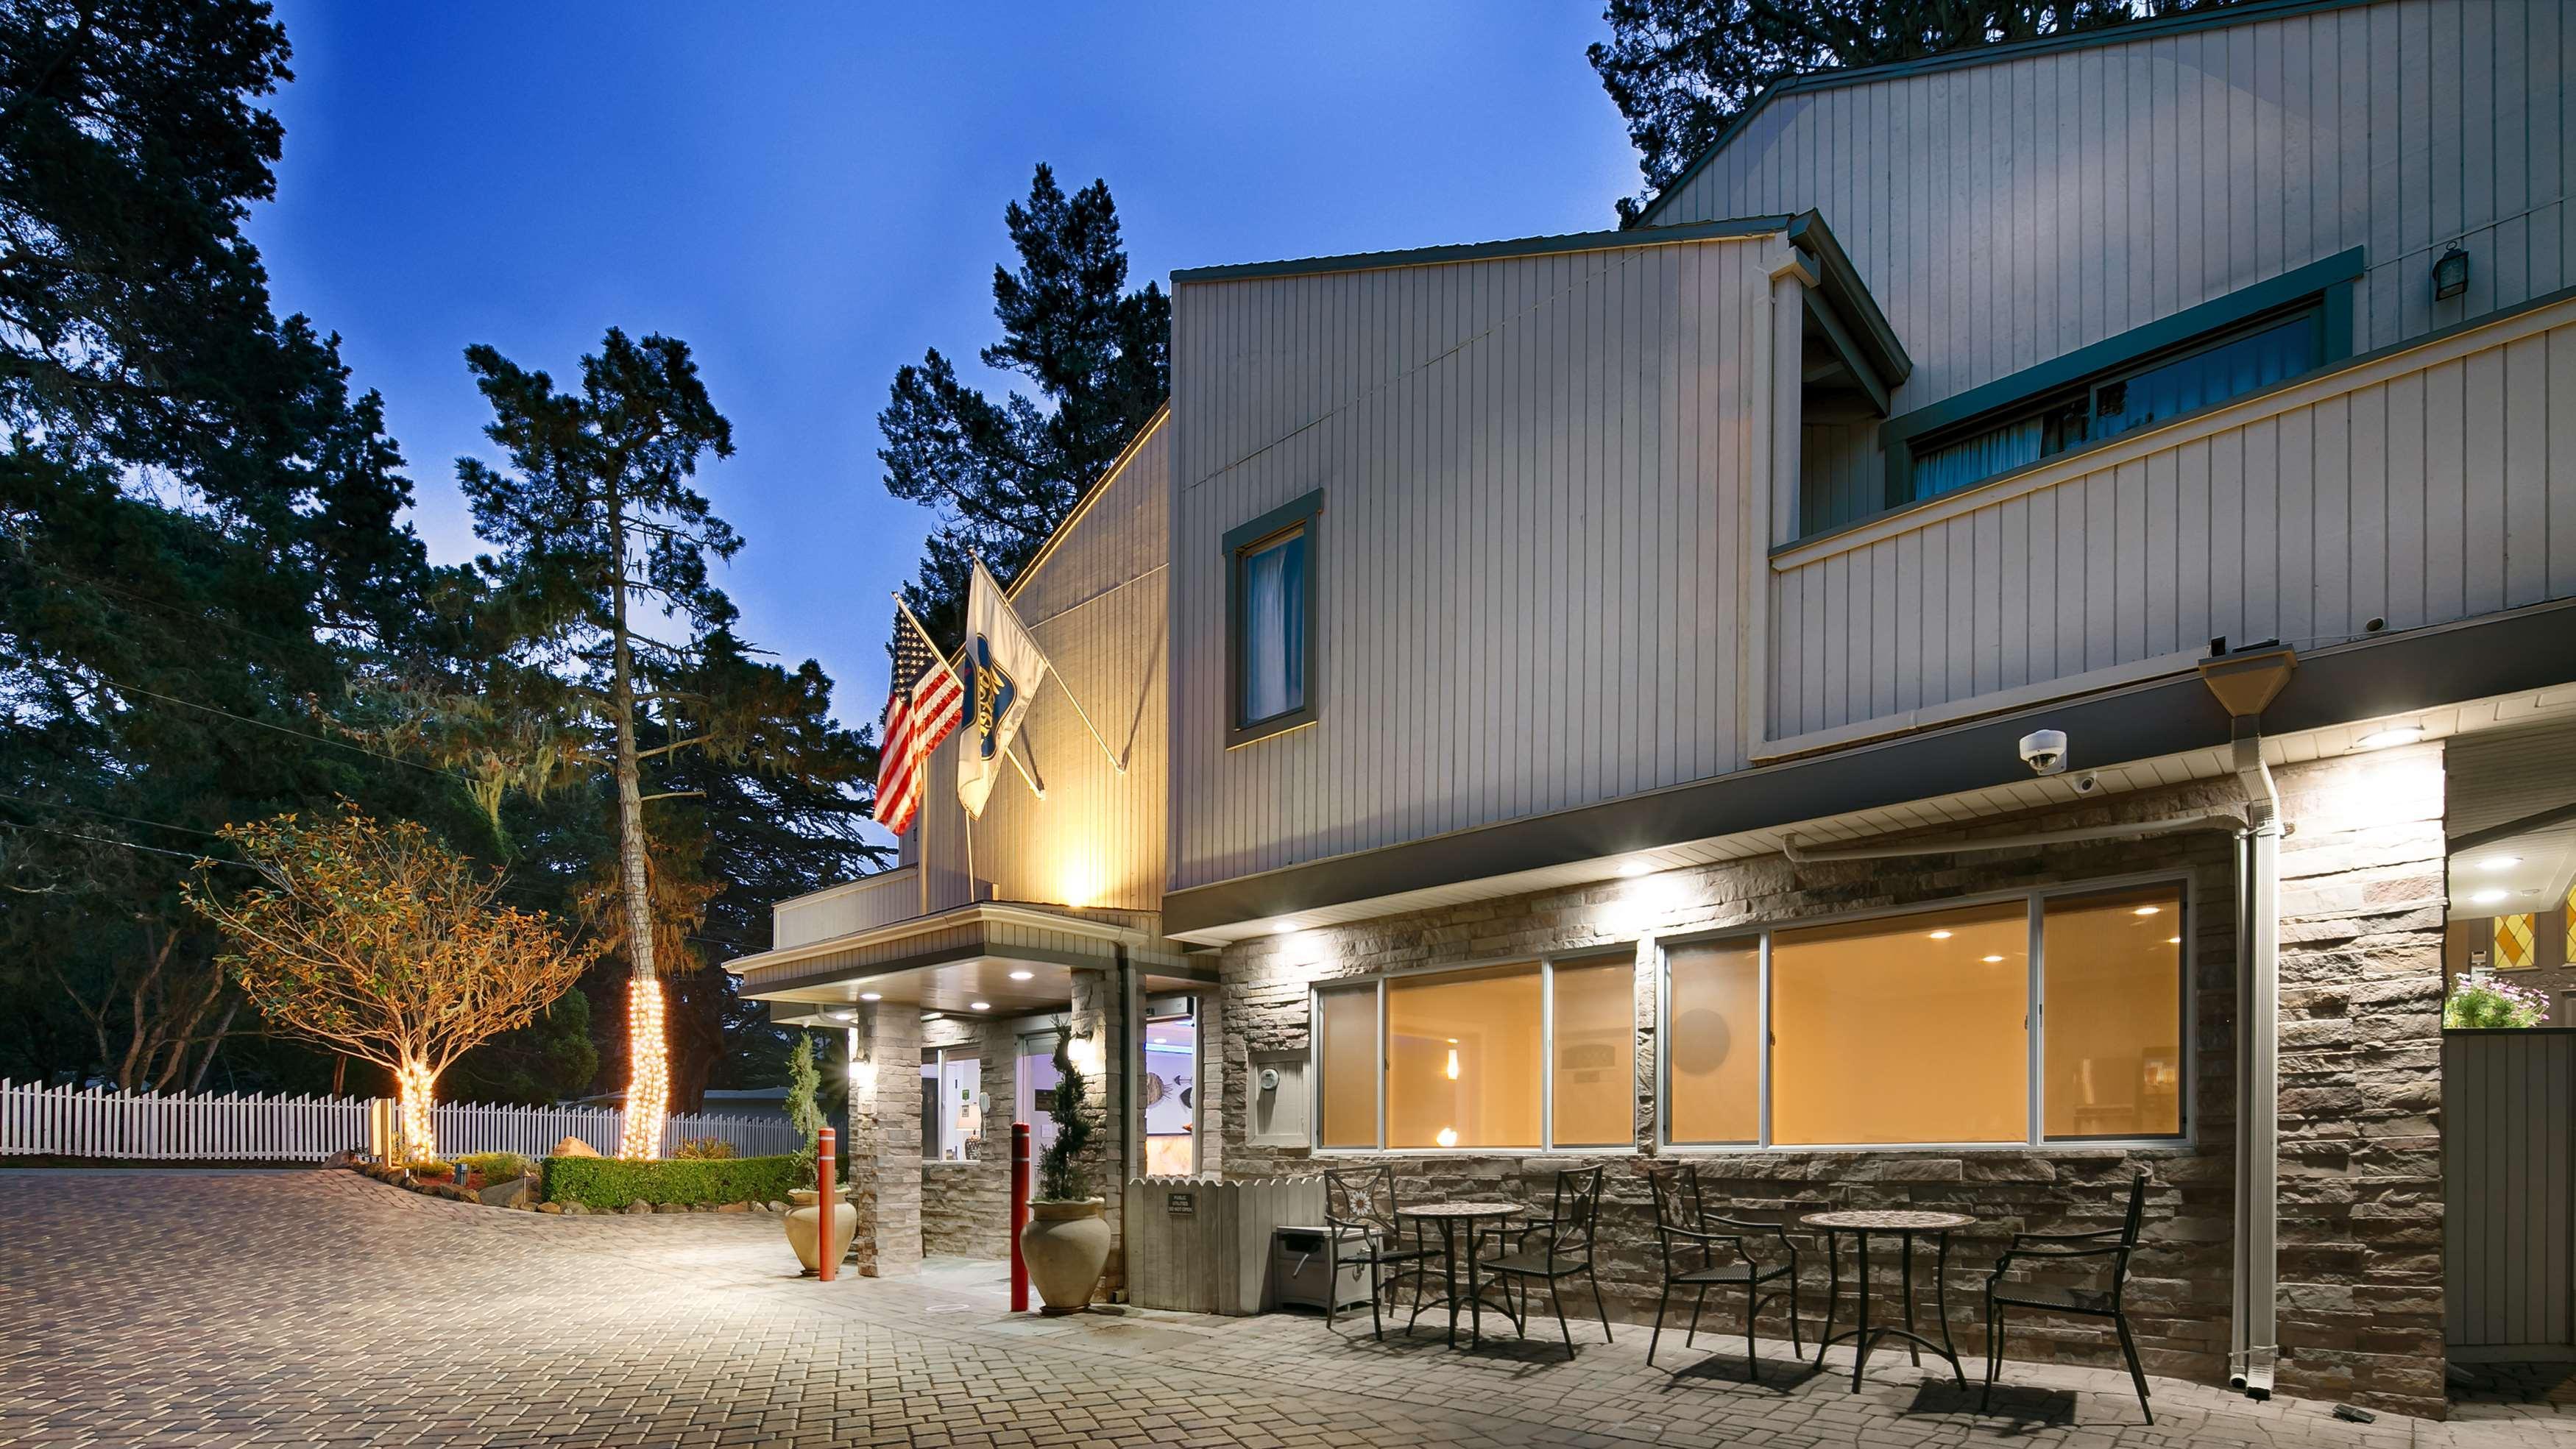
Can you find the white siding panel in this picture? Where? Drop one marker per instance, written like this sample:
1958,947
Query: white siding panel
1527,594
2007,213
2430,487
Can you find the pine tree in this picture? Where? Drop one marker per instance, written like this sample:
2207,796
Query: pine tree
1680,70
596,517
1003,473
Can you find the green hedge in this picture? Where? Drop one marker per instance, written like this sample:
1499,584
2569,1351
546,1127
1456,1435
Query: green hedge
609,1182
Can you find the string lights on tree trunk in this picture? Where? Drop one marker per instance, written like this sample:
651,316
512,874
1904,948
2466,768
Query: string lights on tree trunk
648,1089
413,1081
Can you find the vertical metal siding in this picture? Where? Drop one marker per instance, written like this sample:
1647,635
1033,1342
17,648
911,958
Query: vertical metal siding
2005,214
2509,1226
2432,487
1097,605
1526,592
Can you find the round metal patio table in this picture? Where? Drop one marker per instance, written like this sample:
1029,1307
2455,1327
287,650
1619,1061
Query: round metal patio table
1449,1217
1905,1225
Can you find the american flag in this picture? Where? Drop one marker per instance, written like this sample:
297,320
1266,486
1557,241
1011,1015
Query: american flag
926,703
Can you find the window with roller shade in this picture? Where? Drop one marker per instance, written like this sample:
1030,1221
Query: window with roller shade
2056,1016
1520,1056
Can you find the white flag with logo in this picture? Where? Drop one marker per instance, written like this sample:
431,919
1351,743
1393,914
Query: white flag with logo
1004,667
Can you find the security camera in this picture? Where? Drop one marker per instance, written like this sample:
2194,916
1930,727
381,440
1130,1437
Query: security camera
2087,783
2044,751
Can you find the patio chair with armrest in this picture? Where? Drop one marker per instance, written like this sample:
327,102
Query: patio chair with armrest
1691,1237
1564,1248
1359,1211
2102,1248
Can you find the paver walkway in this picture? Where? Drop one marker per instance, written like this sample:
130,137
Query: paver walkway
324,1308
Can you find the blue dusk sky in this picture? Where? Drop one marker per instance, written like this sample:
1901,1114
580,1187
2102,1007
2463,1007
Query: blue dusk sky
812,195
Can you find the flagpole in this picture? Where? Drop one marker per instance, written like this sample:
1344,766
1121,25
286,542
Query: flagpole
1030,780
1114,758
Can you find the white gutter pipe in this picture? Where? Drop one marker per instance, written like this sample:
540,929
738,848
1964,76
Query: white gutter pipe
2254,1339
2244,683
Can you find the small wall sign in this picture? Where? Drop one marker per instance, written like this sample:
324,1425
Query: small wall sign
1181,1204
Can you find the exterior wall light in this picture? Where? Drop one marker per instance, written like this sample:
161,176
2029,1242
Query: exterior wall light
2450,275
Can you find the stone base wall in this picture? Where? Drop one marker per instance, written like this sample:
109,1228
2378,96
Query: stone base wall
966,1209
2359,936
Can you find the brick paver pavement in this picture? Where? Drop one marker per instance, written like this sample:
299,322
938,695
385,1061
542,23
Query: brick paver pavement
322,1308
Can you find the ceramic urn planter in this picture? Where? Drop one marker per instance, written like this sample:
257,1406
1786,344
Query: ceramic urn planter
1066,1245
805,1214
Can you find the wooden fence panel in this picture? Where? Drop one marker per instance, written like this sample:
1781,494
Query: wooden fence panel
2509,1219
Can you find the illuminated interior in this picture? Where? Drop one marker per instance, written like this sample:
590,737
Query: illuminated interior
1346,1023
1594,1039
1714,1080
2113,990
1907,1029
1491,1018
1169,1091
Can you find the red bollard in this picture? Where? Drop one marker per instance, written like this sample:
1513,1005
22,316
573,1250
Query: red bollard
827,1254
1019,1215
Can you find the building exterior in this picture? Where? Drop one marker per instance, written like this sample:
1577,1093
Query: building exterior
1580,693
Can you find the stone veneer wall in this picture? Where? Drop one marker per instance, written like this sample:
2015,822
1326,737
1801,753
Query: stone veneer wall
2361,968
1098,1027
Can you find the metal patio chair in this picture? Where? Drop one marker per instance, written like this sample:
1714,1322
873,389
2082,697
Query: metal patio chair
1564,1248
2106,1247
1690,1236
1359,1208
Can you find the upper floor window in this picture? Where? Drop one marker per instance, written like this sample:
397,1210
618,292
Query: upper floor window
1270,620
2208,371
2227,347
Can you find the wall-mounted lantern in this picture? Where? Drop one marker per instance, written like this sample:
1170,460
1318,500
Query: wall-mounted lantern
2450,275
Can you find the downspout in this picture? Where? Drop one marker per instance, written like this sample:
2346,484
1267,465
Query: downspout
2244,684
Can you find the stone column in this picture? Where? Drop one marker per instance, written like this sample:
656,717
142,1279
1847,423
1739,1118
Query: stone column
885,1140
2362,890
1101,1047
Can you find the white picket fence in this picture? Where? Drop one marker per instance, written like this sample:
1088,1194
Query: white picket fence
95,1122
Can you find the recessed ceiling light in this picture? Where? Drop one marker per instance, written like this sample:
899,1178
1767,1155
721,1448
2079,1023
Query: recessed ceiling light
2488,898
2173,940
1282,928
1023,975
1940,935
2386,735
2146,910
1991,960
1635,867
2500,862
872,996
979,1005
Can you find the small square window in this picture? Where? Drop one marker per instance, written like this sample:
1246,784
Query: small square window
1270,607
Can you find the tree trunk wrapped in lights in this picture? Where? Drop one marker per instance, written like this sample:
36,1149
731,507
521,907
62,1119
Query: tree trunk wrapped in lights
380,942
648,1087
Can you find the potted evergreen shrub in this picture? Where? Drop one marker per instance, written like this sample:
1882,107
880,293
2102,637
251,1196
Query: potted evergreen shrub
805,1211
1066,1242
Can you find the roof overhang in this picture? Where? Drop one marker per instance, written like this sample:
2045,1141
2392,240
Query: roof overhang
1013,956
1929,777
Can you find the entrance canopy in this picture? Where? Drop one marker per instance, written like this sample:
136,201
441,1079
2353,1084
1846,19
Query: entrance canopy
1012,957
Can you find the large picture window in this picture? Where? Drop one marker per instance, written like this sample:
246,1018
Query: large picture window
2050,1017
1525,1056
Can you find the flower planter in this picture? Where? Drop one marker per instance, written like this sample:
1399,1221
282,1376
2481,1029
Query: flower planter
1066,1244
805,1218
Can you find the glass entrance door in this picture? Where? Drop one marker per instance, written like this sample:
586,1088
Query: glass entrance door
1034,1103
1169,1083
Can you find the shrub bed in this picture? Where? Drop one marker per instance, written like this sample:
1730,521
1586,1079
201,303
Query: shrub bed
610,1183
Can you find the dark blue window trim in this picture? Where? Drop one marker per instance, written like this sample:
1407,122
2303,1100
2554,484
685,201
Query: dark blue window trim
2325,283
1303,514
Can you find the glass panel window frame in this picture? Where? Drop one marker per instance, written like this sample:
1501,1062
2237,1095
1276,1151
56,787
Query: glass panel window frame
2080,415
1377,987
2035,902
1300,518
940,1114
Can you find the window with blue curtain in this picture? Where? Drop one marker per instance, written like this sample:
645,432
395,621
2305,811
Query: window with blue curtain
2123,402
1273,646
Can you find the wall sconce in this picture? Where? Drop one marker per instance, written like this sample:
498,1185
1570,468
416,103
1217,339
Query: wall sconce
2450,275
